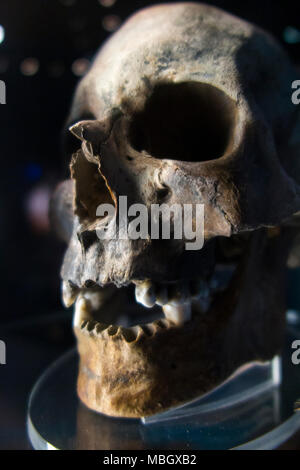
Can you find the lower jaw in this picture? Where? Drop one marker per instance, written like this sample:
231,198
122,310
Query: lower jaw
172,364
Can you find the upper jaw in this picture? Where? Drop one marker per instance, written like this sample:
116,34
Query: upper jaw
176,301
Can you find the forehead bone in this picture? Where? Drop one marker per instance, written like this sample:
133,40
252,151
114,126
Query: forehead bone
178,43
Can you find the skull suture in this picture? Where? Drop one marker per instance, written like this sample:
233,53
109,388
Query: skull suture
184,104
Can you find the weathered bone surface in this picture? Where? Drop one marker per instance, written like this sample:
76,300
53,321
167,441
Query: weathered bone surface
184,104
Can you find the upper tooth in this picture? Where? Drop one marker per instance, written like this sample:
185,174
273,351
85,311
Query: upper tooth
179,314
69,293
145,293
96,298
82,311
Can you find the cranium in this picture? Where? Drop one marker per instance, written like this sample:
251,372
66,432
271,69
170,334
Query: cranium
184,104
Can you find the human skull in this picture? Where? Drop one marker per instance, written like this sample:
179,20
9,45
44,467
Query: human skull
184,104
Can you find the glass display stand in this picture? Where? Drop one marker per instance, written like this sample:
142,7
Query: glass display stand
246,384
253,409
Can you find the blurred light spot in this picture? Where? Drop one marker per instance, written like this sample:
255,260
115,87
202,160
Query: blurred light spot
56,69
2,34
293,317
3,64
68,3
80,66
291,35
111,22
33,172
29,66
37,207
107,3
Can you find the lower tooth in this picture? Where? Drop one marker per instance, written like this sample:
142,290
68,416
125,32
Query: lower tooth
81,312
178,314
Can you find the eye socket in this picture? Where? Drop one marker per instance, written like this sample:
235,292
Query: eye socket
188,121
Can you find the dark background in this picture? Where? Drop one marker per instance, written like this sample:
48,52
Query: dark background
46,48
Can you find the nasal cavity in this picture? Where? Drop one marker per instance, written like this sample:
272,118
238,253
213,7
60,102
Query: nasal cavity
91,189
187,121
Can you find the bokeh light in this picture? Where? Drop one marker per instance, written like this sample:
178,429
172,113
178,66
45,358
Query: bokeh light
2,34
80,66
107,3
37,208
111,22
291,35
33,172
29,66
